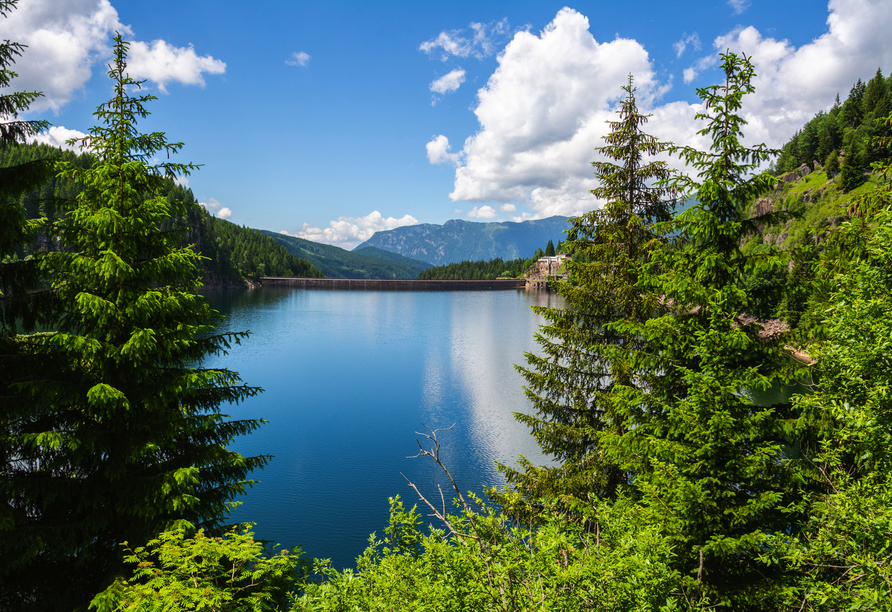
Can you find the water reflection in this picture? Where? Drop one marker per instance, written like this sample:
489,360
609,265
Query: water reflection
349,376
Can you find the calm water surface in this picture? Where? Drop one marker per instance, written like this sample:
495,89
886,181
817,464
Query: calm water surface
349,376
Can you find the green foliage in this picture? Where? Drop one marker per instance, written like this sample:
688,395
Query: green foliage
237,252
846,123
494,566
831,163
230,253
549,249
477,270
113,430
709,464
204,573
844,548
582,373
18,274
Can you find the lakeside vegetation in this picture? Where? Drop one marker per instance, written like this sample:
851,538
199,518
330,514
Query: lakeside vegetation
674,489
490,269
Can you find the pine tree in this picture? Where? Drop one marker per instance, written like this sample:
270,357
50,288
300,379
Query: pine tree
122,435
586,364
852,175
17,277
708,465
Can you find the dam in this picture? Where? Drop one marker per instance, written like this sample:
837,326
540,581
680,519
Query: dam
378,284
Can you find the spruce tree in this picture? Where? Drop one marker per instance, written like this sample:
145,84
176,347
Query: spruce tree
18,276
122,435
711,467
586,364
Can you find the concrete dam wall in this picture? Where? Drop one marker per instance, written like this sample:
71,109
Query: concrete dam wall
393,284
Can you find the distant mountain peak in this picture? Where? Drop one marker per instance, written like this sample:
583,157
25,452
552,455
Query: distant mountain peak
460,240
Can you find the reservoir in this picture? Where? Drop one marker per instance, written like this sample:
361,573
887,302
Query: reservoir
349,377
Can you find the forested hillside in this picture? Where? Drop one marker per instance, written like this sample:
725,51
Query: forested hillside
335,262
234,253
845,137
491,269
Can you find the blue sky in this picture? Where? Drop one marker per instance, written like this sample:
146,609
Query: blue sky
331,120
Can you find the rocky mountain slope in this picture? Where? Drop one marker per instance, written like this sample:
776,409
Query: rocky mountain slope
458,240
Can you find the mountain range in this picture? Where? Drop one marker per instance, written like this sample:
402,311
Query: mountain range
458,240
335,262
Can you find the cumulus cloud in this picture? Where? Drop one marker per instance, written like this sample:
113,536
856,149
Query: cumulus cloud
448,82
215,208
544,108
58,136
739,5
66,38
480,42
684,41
161,63
348,232
507,208
438,151
793,84
483,212
540,115
298,59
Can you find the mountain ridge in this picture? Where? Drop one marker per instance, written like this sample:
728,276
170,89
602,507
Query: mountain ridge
336,262
459,240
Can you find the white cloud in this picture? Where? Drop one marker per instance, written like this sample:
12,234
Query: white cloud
542,111
58,136
66,38
348,232
298,59
793,84
481,43
739,5
438,151
483,212
211,204
507,208
182,181
214,207
448,82
683,43
699,66
161,63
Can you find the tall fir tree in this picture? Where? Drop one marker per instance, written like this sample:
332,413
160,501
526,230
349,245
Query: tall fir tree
714,469
122,433
585,366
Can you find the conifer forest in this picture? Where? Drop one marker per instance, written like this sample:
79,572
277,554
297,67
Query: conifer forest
673,487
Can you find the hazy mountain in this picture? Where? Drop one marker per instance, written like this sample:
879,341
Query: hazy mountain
458,240
335,262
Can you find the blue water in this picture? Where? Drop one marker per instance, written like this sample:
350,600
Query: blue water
349,376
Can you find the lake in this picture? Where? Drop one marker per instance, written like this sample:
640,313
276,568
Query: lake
349,376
